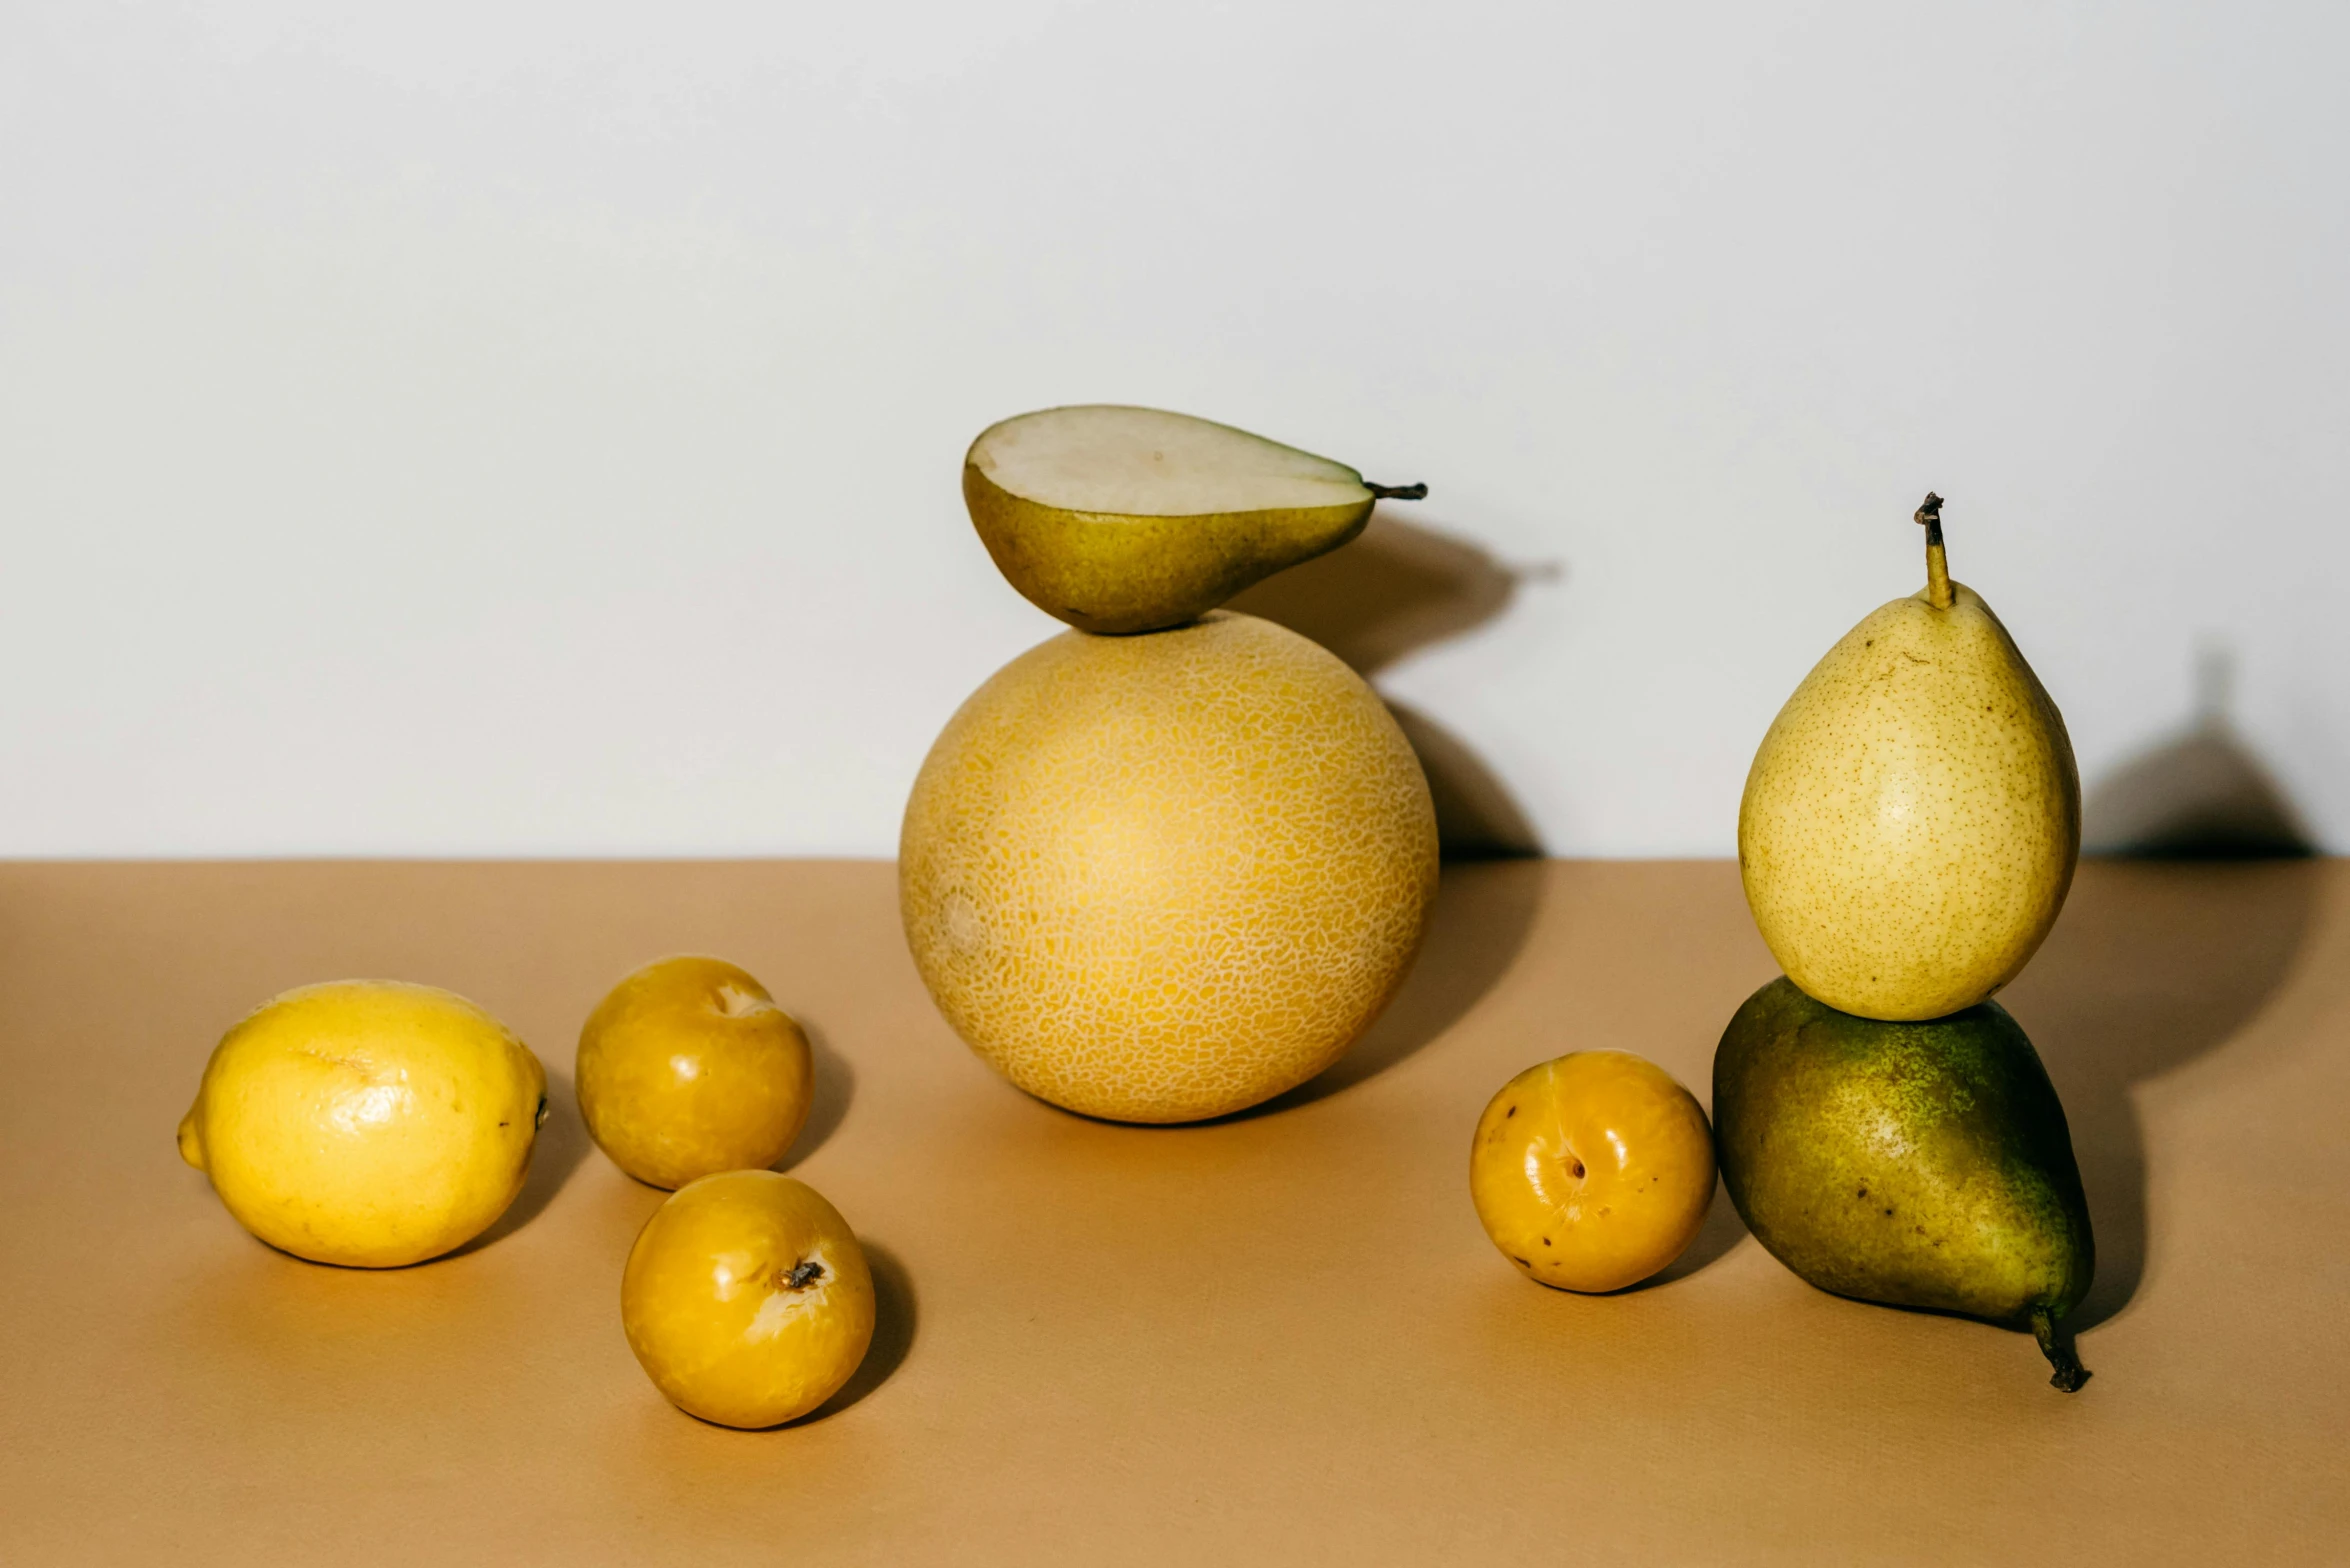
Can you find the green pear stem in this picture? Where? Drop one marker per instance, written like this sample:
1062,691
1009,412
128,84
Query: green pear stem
1397,492
2069,1374
1929,512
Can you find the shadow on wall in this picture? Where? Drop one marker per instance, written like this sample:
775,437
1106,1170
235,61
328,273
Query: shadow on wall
1396,589
2163,953
2198,794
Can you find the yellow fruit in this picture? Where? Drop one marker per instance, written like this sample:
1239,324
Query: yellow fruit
1911,821
1160,878
746,1299
689,1068
366,1122
1128,519
1593,1171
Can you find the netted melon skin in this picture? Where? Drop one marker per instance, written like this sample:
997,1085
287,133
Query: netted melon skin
1167,877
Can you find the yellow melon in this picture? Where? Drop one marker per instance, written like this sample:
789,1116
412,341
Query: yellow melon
1165,877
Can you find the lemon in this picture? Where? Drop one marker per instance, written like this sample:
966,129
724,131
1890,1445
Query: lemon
366,1122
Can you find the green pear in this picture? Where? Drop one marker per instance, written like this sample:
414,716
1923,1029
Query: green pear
1919,1164
1131,519
1912,819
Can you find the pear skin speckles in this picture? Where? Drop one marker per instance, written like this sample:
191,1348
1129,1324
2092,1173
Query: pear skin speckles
1912,819
1923,1164
1166,877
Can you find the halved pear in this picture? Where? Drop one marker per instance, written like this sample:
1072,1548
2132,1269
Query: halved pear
1124,519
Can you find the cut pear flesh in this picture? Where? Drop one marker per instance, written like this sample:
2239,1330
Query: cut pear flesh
1121,519
1142,462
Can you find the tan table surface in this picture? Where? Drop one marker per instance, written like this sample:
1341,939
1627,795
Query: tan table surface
1281,1338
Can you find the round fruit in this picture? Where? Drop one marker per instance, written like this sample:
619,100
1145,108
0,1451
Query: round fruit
689,1068
1164,877
1593,1171
366,1122
1913,816
746,1299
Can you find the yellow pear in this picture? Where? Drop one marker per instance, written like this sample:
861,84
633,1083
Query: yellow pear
1129,519
1912,819
1163,878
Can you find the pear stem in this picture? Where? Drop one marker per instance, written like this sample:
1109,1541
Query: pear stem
1929,512
1397,492
2069,1374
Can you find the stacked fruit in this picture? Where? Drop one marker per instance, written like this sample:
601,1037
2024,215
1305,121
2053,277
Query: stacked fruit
1157,877
1907,837
1173,862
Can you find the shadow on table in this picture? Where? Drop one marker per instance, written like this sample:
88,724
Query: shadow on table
563,1142
1722,1230
894,1317
1398,588
2162,955
828,1106
1484,912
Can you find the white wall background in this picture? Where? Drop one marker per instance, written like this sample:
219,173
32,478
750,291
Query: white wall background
520,428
